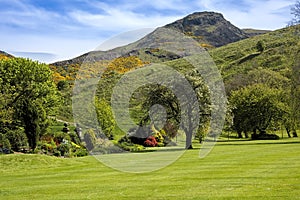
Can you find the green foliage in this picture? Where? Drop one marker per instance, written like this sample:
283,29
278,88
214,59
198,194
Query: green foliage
30,94
254,107
105,117
17,139
268,77
126,144
63,85
295,90
4,142
61,144
264,59
260,46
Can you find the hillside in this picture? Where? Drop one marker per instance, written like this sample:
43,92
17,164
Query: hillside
265,58
235,58
279,54
254,32
4,55
210,28
240,63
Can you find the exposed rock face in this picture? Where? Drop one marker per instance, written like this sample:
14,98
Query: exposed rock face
209,27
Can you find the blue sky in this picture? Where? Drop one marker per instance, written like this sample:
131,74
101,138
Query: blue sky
52,30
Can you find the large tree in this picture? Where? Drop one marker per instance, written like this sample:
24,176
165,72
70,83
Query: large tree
196,111
295,97
30,95
254,108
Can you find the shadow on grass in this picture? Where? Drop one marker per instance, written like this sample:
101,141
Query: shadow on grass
255,142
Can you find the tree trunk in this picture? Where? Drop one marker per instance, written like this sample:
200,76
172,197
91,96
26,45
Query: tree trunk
246,134
31,140
288,132
295,133
188,141
262,131
240,134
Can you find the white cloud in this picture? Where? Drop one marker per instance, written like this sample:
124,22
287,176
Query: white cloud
260,14
120,20
76,30
60,48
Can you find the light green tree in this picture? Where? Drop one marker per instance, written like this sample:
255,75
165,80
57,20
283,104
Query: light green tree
105,117
254,108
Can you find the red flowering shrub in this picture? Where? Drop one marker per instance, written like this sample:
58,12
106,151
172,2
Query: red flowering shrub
150,142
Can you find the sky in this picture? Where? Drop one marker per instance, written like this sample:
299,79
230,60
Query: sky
53,30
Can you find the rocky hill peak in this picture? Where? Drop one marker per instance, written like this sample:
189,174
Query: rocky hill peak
209,27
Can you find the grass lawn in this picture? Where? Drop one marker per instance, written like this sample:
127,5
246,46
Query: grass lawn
233,170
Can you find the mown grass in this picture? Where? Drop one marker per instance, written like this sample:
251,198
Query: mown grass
233,170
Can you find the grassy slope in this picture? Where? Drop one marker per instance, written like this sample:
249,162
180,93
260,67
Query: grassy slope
234,170
279,55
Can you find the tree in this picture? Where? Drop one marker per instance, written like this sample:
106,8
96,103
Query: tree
193,109
30,94
260,46
254,108
295,96
295,11
105,117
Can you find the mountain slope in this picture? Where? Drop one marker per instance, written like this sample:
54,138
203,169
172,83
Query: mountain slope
254,32
238,60
235,60
279,51
4,55
209,27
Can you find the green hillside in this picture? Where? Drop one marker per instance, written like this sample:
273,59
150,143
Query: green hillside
280,49
263,59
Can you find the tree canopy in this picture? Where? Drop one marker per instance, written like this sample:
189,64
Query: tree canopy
254,108
28,96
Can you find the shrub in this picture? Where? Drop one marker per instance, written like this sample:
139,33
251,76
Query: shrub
150,142
80,152
126,144
260,46
58,137
4,142
5,147
264,136
17,138
130,147
64,149
158,137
